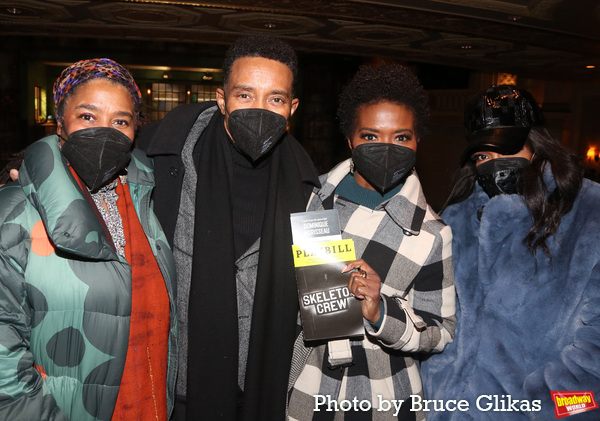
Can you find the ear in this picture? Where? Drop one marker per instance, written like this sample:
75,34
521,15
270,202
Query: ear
350,144
221,100
295,103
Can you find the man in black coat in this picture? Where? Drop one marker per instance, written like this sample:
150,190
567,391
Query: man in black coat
228,175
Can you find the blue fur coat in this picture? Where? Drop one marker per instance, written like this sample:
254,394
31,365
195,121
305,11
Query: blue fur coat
526,325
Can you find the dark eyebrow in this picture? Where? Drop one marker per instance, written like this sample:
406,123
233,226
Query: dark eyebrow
87,107
397,131
242,88
92,107
272,92
124,114
280,92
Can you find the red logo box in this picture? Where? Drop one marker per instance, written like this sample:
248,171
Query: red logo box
571,403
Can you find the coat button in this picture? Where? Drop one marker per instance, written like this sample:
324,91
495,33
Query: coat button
174,171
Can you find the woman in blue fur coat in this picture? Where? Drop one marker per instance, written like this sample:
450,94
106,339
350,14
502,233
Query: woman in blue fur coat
526,249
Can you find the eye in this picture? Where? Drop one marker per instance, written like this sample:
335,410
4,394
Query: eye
403,138
370,137
479,157
277,101
124,123
243,97
86,117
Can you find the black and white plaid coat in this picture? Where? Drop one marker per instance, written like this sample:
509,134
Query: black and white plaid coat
409,246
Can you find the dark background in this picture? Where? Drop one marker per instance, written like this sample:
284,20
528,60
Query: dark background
456,48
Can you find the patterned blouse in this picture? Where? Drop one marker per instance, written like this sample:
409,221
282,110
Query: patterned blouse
106,202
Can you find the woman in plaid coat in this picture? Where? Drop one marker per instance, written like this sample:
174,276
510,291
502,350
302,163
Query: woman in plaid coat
404,275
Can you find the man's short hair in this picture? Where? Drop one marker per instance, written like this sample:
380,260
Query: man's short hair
260,46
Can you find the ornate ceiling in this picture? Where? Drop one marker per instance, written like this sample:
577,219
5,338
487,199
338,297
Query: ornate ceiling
541,38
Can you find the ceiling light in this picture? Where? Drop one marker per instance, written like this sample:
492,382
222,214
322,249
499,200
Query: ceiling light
590,66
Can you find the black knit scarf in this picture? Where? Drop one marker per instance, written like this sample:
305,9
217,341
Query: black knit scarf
212,383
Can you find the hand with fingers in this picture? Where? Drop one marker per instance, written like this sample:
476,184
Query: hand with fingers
14,175
365,285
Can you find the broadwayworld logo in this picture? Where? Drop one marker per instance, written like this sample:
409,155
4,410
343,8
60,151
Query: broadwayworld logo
571,403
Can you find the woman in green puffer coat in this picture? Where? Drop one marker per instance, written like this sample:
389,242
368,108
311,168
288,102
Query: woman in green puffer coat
87,315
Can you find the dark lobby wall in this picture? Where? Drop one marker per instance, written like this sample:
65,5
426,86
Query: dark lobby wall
570,106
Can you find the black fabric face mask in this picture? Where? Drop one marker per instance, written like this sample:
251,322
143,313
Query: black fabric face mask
502,176
383,165
97,154
255,130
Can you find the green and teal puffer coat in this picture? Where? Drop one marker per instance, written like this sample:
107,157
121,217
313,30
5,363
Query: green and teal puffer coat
65,310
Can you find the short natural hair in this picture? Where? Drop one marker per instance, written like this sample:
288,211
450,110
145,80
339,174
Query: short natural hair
387,82
260,46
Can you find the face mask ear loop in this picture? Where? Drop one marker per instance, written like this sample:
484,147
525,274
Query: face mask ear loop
61,139
227,116
351,160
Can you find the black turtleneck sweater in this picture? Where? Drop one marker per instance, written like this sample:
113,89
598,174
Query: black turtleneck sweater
249,184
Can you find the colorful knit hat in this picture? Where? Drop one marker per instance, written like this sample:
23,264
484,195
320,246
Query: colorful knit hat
84,70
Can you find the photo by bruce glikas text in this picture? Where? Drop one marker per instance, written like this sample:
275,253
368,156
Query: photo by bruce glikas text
484,403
